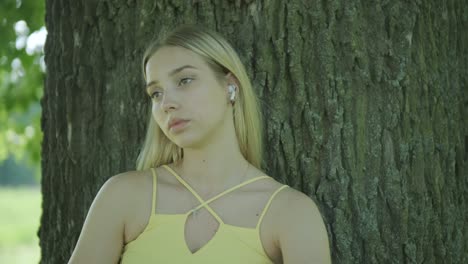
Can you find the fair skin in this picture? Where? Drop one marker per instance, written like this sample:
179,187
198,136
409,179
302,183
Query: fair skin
183,86
210,130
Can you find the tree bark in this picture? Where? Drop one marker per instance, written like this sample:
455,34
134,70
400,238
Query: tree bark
365,106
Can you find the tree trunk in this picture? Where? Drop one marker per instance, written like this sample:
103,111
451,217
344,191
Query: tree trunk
365,106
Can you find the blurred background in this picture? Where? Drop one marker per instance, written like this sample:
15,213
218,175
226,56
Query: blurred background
22,68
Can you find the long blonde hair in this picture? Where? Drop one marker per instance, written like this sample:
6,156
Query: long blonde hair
215,50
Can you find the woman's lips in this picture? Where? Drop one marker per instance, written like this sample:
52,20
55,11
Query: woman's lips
178,126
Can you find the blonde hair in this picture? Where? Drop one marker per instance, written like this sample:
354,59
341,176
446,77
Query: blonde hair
221,57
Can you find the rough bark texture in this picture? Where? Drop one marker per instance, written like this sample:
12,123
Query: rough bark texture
365,105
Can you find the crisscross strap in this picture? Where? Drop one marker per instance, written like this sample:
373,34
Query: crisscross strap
268,204
228,191
154,192
205,203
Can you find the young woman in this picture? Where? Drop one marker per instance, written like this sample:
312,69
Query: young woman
199,195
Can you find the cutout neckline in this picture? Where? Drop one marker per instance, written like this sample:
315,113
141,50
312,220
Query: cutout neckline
204,203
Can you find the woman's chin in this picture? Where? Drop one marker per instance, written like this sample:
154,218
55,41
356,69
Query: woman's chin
189,143
185,142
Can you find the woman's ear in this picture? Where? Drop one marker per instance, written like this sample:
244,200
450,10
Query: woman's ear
231,79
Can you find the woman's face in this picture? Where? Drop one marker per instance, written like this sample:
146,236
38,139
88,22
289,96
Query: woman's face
183,87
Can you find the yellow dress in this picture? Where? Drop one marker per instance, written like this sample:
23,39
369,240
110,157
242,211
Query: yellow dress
163,241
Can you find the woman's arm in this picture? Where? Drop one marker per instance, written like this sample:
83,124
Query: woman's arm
302,234
102,237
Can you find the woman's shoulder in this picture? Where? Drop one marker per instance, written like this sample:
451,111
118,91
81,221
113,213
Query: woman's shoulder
128,189
129,180
270,184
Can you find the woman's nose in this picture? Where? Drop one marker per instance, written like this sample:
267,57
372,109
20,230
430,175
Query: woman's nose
169,102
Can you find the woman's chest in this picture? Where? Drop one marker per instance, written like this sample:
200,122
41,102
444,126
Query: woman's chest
236,212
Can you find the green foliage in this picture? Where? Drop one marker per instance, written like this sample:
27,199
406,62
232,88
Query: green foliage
21,80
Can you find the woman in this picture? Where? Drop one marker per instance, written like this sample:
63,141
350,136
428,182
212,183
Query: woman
199,195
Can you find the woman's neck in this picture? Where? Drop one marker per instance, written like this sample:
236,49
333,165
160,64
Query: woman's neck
212,169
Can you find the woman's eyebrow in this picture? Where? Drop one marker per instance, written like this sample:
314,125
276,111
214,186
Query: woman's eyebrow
171,73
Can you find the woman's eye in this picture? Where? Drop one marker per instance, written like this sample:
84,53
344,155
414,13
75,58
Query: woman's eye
155,95
185,81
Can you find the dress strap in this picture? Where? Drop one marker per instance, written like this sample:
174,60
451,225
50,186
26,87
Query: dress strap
205,203
194,193
230,190
153,210
268,204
